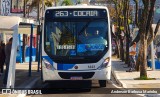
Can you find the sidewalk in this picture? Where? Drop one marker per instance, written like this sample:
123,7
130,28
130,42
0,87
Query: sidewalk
21,76
126,79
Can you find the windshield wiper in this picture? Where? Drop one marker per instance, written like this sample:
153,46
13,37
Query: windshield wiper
80,32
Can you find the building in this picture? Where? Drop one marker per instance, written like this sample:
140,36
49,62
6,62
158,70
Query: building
15,8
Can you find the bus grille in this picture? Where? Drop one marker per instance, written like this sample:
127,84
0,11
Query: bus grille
68,75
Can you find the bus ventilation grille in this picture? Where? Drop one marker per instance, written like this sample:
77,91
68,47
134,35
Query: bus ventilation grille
68,75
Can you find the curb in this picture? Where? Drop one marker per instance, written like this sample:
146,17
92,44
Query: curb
117,79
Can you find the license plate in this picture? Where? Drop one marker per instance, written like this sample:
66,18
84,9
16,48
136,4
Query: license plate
76,78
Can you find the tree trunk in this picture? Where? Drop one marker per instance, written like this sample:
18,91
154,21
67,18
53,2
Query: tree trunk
138,62
117,49
127,48
143,57
120,22
127,35
121,50
136,13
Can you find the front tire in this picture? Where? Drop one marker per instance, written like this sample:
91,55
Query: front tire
102,83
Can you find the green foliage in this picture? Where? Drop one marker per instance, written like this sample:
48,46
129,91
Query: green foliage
35,3
67,2
129,21
48,3
144,77
121,28
122,17
115,23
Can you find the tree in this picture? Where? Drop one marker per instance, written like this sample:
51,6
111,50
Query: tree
119,18
146,33
126,13
138,36
123,17
36,3
151,35
66,2
143,30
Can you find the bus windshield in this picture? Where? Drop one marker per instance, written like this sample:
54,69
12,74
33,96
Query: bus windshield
76,38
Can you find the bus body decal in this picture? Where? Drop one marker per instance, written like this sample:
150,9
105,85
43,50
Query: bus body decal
65,66
48,59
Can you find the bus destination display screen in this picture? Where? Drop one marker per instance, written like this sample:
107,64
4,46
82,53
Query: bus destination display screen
76,13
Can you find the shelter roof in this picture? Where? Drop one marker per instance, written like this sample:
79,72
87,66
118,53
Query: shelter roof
10,23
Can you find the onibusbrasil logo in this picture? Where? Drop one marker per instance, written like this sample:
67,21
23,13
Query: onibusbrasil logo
15,91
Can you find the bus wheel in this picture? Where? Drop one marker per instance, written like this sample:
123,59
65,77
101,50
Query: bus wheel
102,83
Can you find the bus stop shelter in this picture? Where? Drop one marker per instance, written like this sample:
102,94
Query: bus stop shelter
11,24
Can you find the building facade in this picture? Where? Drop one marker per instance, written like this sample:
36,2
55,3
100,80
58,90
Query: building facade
15,8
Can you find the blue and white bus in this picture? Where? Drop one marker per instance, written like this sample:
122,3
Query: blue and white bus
76,44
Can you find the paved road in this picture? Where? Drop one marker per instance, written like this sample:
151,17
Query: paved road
96,91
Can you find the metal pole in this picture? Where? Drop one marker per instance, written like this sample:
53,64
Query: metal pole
152,56
30,54
39,53
24,36
37,45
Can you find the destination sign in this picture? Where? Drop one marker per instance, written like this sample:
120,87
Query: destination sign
76,13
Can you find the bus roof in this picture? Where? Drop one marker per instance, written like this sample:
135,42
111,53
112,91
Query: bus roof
81,6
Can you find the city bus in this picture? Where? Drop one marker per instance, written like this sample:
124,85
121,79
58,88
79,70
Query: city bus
76,44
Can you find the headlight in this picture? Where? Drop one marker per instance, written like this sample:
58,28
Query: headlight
104,64
48,65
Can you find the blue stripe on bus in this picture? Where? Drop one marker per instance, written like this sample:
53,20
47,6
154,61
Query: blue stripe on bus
59,66
48,59
65,66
